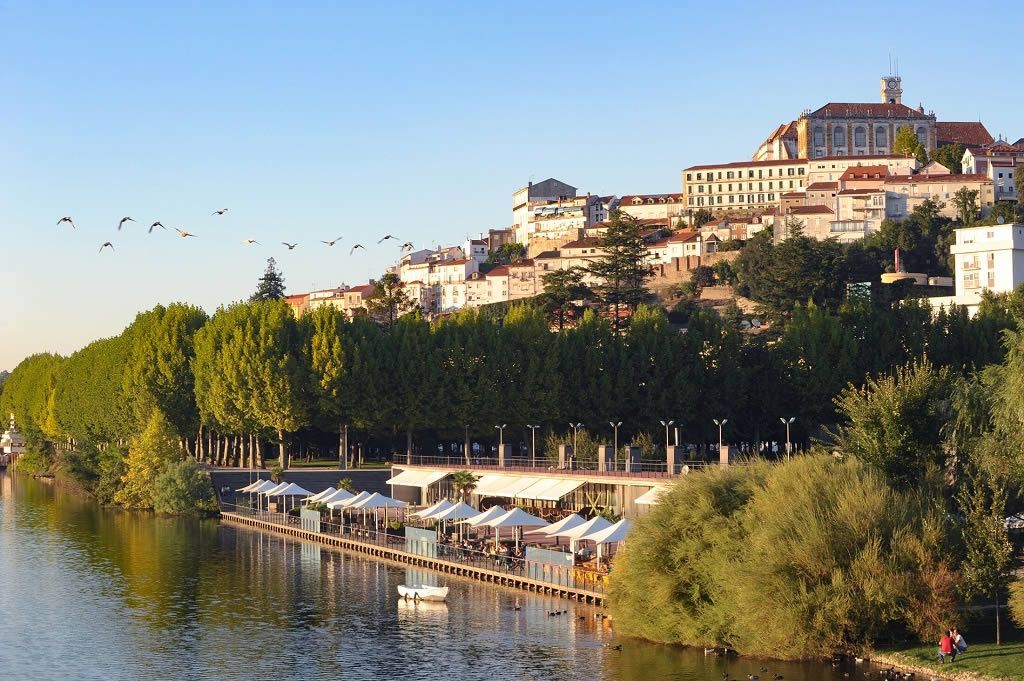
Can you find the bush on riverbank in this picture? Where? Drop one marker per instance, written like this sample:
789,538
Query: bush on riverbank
182,488
793,560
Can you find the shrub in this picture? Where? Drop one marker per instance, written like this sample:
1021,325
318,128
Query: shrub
182,488
792,560
681,311
1016,601
35,461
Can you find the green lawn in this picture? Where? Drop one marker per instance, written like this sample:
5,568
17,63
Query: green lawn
1005,661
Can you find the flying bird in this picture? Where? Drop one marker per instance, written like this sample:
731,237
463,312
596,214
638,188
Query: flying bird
156,224
291,247
123,220
251,242
68,220
331,243
105,244
386,237
219,212
355,247
407,246
183,233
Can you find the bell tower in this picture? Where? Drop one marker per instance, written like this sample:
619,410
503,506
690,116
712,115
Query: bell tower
892,90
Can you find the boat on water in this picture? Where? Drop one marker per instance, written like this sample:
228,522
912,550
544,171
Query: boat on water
421,592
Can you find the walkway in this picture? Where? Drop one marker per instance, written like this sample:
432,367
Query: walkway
587,585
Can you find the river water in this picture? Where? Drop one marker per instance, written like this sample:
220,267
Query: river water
93,593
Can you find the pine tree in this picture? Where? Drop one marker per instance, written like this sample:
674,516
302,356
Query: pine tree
271,284
389,300
622,269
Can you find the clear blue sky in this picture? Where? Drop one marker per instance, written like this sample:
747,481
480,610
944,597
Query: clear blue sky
313,120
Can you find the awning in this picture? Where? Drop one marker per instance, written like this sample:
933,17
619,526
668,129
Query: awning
414,478
550,489
651,496
489,485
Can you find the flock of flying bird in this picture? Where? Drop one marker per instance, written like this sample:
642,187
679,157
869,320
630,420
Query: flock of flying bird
407,246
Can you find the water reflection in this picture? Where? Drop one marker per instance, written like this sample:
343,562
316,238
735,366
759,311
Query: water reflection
88,593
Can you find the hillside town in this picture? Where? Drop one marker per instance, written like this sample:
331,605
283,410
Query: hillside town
836,172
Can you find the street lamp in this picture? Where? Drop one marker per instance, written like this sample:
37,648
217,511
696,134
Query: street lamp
667,424
575,429
465,446
720,424
501,434
615,451
533,444
787,424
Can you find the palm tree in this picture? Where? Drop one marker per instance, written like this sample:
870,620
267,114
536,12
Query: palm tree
463,483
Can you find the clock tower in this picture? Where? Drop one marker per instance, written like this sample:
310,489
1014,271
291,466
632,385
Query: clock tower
891,91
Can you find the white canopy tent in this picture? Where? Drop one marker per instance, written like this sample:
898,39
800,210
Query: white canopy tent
517,517
316,498
651,497
336,495
577,532
440,506
565,523
459,511
345,502
374,502
273,490
252,486
290,491
482,518
609,535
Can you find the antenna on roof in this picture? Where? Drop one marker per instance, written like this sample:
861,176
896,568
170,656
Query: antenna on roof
890,62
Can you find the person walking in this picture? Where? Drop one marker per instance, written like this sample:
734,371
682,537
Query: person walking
946,648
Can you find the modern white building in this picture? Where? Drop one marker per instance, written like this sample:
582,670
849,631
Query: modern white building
985,258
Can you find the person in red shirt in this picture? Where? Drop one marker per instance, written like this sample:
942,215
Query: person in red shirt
946,648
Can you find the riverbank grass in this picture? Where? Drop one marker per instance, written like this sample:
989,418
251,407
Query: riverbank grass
986,660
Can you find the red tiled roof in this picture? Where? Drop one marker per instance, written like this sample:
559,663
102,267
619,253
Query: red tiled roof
861,158
478,242
874,109
793,195
924,179
810,210
363,289
460,261
499,271
822,186
1002,149
956,132
847,192
865,173
683,236
525,262
752,164
585,242
628,200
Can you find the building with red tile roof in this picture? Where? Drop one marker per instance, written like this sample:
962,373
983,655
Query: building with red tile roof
968,133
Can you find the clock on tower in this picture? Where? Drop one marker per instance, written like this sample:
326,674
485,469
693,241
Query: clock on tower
892,92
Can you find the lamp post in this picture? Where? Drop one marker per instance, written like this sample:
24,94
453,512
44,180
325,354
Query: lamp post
615,451
501,434
720,424
667,424
787,424
465,446
575,429
533,444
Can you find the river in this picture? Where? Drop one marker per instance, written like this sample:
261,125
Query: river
94,593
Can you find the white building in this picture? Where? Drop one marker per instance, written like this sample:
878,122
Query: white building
985,258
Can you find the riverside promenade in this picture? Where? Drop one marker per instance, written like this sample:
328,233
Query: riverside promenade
573,583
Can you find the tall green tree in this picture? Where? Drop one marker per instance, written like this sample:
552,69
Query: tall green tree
389,300
988,564
701,217
907,144
950,156
966,202
564,293
507,253
622,270
271,284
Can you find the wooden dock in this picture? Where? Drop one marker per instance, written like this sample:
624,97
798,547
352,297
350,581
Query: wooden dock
436,564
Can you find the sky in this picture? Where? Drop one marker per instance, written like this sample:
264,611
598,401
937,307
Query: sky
310,121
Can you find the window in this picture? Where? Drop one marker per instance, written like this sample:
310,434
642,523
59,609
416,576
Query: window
859,137
819,137
750,173
922,135
880,137
688,176
728,175
732,199
838,137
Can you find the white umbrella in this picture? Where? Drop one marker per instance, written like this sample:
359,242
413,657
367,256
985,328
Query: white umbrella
459,511
481,518
376,501
439,507
614,533
251,486
517,517
319,496
273,490
578,531
345,503
291,490
565,523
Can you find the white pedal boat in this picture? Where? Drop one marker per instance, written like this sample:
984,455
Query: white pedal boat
419,592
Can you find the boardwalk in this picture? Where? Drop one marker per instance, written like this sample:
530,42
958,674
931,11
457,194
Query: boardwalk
587,586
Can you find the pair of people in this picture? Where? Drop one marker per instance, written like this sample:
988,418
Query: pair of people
951,644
